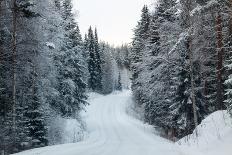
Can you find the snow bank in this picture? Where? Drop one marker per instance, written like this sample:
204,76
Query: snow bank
73,131
134,110
214,136
64,130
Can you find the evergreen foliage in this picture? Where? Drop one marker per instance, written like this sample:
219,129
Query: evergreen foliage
49,71
177,63
94,61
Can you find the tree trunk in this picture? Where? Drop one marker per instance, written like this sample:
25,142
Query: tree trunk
14,12
190,53
33,78
1,18
230,21
193,97
1,53
205,87
220,104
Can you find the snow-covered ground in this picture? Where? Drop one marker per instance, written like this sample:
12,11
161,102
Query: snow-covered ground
214,136
112,132
65,130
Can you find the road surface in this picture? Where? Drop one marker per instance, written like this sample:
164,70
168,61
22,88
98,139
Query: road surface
113,132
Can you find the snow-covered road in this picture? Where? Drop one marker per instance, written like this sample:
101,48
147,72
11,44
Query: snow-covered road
113,132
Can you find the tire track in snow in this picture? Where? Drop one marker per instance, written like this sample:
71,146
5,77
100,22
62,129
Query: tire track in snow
112,132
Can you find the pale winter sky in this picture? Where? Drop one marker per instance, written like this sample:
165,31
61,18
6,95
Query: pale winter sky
114,19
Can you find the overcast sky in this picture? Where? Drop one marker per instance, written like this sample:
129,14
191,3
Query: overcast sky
114,19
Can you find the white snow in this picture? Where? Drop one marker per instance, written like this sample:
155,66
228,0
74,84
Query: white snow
73,131
208,6
65,130
112,132
214,136
50,45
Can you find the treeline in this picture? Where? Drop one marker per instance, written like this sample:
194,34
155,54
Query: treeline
46,70
105,64
181,68
115,66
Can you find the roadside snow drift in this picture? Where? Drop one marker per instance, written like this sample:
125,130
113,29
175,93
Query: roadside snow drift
214,136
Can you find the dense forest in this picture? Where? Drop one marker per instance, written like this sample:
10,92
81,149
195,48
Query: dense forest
181,67
46,70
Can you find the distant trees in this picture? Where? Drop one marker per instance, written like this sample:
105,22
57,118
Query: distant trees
109,68
105,63
119,84
94,61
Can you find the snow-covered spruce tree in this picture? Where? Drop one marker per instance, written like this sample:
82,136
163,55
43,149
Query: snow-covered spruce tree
43,69
50,67
85,46
155,77
72,86
86,58
138,45
37,130
108,68
124,54
119,86
150,64
140,36
53,68
162,62
98,62
94,61
92,83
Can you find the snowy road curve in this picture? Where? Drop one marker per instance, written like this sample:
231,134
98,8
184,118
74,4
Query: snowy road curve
113,132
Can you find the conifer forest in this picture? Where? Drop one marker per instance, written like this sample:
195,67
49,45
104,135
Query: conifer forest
168,91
